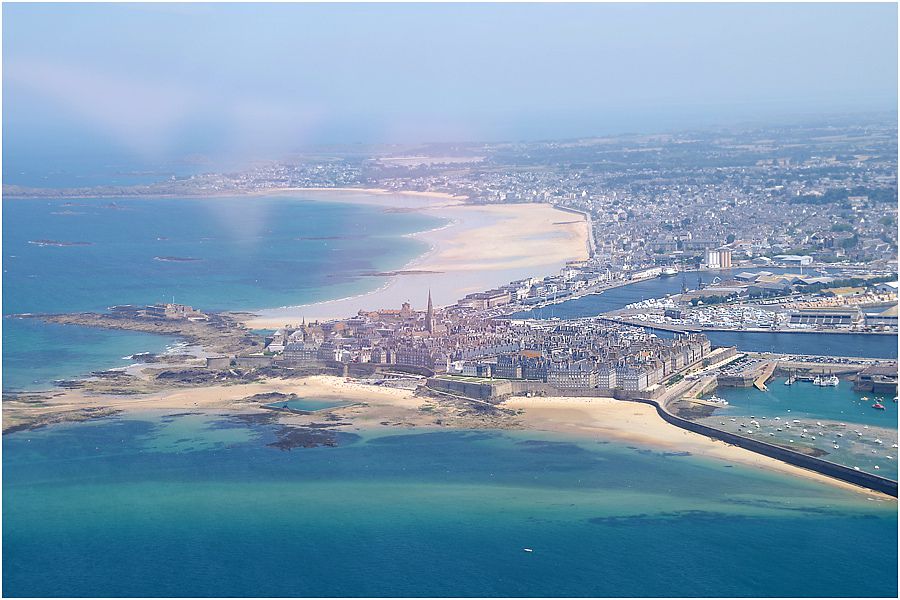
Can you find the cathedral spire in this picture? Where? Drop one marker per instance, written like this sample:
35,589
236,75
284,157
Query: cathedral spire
429,315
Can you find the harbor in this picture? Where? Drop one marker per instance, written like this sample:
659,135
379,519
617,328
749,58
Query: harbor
823,420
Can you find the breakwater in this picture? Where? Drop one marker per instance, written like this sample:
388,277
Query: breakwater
860,478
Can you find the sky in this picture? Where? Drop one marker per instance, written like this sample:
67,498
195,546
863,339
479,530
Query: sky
167,81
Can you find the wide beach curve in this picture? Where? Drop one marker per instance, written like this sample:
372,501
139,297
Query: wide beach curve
481,247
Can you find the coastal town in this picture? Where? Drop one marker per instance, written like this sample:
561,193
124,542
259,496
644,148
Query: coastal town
792,235
450,300
802,194
725,242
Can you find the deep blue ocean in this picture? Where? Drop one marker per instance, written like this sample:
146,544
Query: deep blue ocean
221,253
198,505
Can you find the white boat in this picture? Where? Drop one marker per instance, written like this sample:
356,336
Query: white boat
527,549
830,381
836,446
877,441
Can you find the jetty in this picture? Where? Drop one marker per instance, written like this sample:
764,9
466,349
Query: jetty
766,374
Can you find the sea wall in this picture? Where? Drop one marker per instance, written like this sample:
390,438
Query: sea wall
497,390
861,478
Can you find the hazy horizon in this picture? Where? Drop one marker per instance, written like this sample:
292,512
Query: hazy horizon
152,83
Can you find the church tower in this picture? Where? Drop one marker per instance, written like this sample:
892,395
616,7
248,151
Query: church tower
429,315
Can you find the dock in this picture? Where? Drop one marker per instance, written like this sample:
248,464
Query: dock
767,371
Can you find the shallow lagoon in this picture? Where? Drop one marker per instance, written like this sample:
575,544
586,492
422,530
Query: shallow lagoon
121,506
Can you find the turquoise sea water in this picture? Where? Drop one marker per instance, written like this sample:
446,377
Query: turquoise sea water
223,253
824,412
805,400
310,404
35,354
219,253
198,505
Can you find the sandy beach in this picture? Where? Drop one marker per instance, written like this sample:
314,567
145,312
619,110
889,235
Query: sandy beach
610,419
379,407
481,247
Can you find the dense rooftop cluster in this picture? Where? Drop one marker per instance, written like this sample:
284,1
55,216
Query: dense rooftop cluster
579,353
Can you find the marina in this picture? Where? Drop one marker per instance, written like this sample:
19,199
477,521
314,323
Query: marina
831,421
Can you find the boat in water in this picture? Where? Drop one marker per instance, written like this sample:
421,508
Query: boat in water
878,406
830,381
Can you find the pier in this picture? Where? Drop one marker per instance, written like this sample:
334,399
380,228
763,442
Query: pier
767,371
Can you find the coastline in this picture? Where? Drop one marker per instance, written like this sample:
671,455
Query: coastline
378,407
69,194
639,423
480,247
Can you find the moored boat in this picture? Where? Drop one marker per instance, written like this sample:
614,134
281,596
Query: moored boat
830,381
